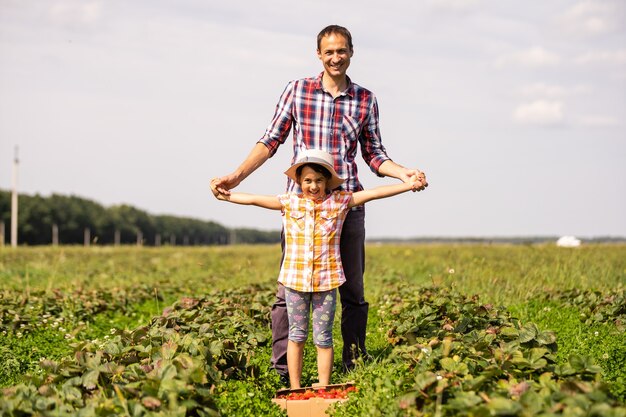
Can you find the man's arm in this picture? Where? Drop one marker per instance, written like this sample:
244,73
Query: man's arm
391,169
257,157
375,154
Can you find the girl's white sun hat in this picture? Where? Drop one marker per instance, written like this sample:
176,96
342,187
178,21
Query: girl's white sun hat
316,156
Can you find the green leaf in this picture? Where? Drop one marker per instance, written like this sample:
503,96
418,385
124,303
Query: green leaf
43,404
532,402
520,361
509,332
564,370
537,353
503,407
424,380
464,400
215,348
168,349
89,379
448,364
546,338
528,333
112,348
168,372
539,364
579,363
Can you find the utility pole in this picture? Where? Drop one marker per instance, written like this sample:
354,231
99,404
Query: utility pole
55,234
14,203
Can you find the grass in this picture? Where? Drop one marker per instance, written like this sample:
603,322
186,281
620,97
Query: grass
502,273
602,341
176,270
21,355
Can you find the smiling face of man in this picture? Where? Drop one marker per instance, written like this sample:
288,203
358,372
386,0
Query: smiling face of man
335,53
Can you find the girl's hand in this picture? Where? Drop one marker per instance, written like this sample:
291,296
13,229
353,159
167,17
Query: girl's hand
415,183
215,191
422,178
214,187
226,183
417,179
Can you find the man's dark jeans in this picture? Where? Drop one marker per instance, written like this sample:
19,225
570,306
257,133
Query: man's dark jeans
354,308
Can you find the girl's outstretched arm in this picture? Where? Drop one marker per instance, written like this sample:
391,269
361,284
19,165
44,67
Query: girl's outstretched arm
266,201
362,197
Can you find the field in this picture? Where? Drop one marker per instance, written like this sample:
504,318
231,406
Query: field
469,330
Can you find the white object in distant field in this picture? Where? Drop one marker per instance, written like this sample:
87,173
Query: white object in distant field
568,242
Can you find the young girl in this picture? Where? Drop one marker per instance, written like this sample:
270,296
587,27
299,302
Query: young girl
311,269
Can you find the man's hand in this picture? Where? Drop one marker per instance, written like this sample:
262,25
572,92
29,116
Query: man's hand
416,178
391,169
216,192
223,185
257,157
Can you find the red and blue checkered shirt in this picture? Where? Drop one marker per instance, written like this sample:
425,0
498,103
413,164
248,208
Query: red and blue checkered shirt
336,125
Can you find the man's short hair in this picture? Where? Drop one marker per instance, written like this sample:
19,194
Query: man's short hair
336,30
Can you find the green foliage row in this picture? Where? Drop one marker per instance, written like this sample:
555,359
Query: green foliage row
73,215
64,294
457,357
25,312
170,367
22,354
448,355
596,306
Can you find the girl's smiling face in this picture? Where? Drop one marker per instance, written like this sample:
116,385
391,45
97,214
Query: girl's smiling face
313,183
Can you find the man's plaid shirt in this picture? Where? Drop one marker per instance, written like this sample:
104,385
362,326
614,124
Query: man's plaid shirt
335,125
312,260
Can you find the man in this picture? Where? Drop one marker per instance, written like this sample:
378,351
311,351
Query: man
331,113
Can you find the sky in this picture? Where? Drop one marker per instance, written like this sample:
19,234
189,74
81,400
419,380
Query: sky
516,111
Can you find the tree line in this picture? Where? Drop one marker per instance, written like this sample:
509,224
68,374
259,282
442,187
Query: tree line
74,220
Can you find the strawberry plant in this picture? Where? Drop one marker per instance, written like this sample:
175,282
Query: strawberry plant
596,306
471,359
172,365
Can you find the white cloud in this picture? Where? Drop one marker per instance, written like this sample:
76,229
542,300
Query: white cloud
542,90
592,18
539,112
534,57
602,57
75,13
599,121
455,5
